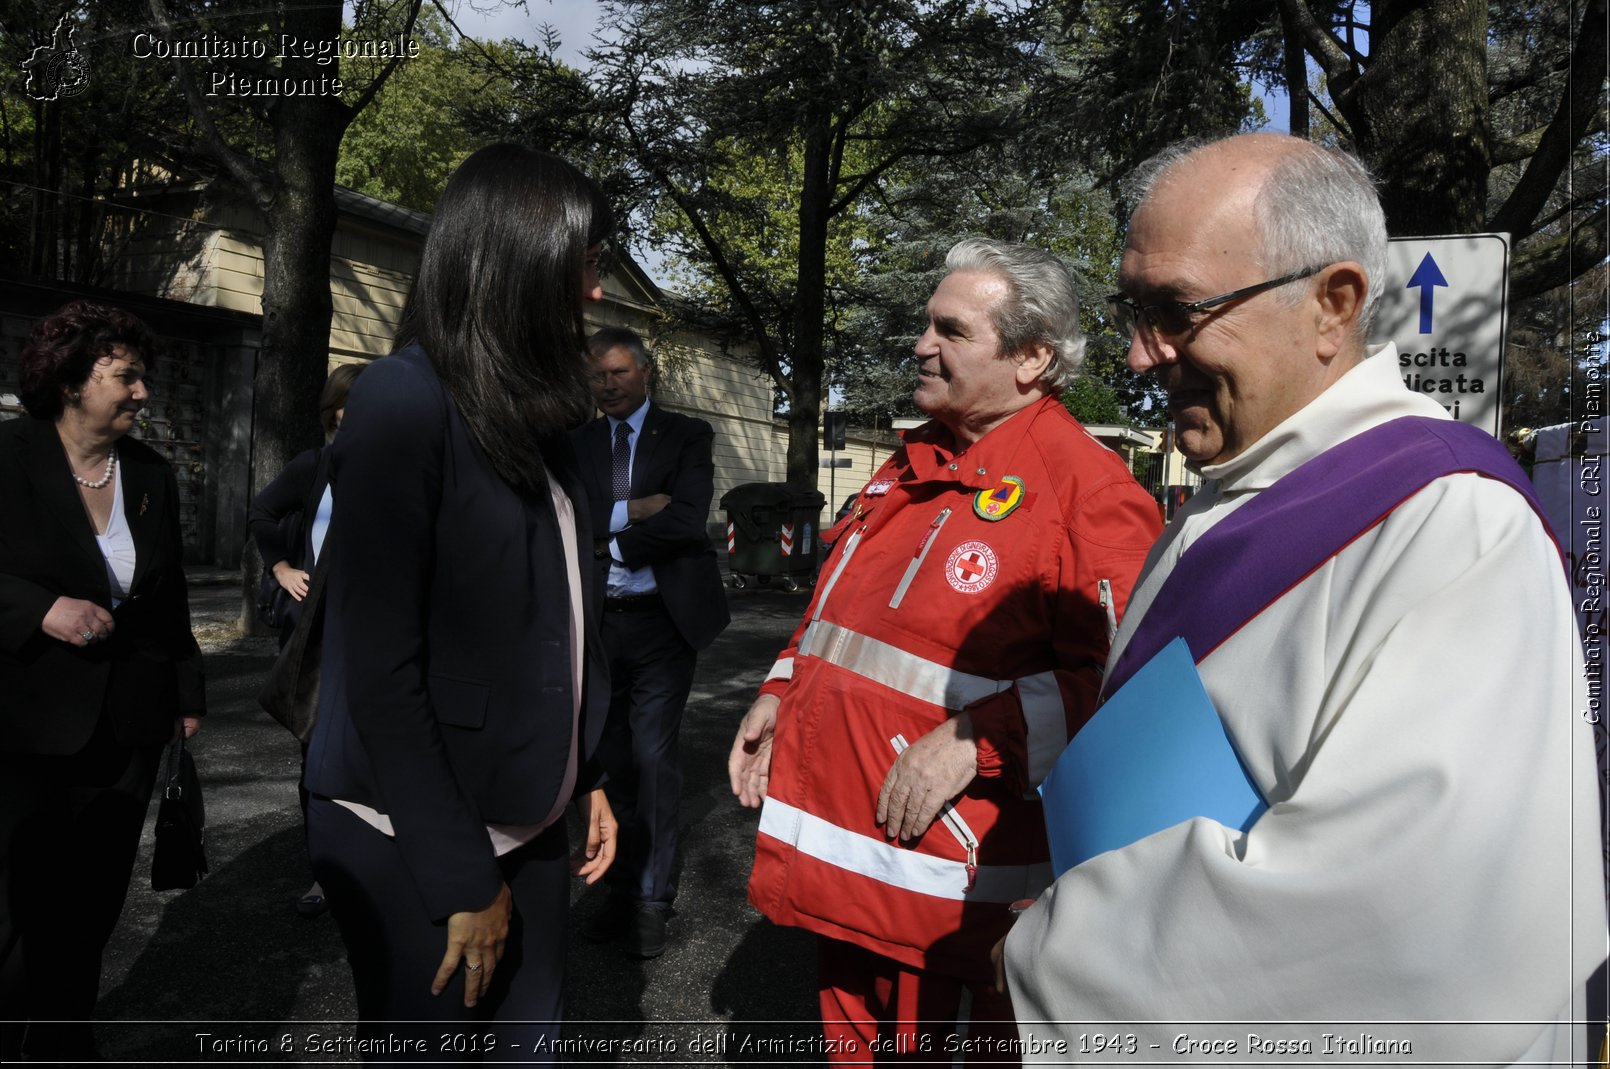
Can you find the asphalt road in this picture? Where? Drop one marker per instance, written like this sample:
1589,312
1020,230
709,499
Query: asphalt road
229,973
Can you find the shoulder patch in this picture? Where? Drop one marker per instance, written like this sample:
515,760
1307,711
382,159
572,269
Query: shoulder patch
999,502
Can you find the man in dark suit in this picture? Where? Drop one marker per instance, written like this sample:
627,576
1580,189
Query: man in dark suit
648,475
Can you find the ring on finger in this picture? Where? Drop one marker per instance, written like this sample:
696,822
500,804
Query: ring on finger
472,966
87,636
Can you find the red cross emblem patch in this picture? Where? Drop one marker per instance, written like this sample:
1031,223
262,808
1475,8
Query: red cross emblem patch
971,567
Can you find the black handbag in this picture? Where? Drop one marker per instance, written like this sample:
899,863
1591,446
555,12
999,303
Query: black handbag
275,606
291,693
180,858
273,601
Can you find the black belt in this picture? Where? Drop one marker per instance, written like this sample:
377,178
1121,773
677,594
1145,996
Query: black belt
634,603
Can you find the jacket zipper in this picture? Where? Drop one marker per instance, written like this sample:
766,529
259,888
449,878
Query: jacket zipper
1105,599
953,820
918,557
805,645
844,560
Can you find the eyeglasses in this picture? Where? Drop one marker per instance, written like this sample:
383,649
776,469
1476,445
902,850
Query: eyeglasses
1173,319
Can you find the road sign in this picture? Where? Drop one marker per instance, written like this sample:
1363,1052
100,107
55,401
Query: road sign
1444,305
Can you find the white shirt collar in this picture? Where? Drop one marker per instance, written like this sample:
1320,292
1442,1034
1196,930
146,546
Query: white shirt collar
1368,394
634,421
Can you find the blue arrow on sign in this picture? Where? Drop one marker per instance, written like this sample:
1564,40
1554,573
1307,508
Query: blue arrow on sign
1427,276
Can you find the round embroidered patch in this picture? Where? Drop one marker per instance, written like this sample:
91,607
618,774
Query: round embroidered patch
971,567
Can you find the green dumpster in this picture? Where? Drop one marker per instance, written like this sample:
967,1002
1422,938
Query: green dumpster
772,532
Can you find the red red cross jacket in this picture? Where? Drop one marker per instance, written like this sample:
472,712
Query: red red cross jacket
988,580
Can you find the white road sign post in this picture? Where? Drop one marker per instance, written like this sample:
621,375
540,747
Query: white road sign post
1444,305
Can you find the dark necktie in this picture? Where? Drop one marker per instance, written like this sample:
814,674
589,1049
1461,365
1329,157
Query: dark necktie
621,465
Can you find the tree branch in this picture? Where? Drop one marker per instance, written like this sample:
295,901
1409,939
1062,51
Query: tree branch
1557,262
1330,116
1335,60
771,359
239,166
1579,105
368,94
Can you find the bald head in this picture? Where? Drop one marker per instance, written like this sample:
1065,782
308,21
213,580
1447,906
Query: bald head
1304,205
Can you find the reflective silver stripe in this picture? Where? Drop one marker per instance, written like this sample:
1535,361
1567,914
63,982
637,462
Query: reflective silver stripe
1046,722
782,669
898,866
893,667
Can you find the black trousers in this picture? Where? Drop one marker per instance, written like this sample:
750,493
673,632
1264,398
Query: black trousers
69,831
651,671
395,948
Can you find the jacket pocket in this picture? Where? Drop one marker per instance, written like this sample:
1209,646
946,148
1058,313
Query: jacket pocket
918,557
459,702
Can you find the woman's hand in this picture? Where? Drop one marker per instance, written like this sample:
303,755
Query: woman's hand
477,939
189,725
593,860
291,580
77,622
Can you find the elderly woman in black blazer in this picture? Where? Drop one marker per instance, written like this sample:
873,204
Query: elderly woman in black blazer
463,688
98,667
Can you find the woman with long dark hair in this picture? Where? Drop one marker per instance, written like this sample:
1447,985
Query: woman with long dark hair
463,691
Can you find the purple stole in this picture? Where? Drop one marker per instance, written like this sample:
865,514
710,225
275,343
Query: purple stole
1249,560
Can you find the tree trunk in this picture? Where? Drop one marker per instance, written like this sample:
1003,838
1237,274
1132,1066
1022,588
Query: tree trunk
807,359
1295,62
1427,147
298,237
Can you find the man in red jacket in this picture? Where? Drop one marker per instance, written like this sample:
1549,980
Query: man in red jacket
953,646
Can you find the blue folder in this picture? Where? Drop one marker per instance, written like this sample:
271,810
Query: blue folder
1154,755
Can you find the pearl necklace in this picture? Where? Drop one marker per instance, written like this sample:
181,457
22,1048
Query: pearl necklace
106,476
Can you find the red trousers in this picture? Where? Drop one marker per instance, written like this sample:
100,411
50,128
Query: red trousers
876,1011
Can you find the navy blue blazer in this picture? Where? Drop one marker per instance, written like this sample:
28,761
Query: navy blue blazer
149,672
673,457
446,694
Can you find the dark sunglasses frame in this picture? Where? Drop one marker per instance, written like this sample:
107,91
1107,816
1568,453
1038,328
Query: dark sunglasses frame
1175,319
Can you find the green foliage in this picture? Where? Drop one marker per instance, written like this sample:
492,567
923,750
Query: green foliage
60,156
421,126
1092,401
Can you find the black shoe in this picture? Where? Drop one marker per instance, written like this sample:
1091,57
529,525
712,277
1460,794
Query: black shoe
647,936
610,922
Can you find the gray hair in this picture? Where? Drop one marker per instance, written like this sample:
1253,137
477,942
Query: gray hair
607,338
1041,305
1317,206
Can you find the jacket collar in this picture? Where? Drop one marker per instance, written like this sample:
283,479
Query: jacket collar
932,454
52,477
